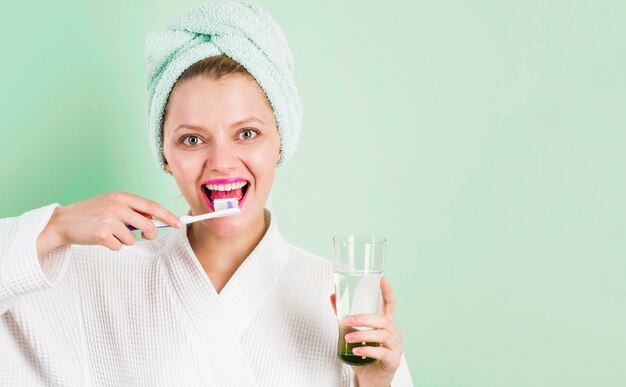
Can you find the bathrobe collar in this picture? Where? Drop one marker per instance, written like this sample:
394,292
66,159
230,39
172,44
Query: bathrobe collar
221,319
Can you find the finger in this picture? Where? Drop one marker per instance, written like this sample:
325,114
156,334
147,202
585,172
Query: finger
147,227
389,298
112,243
144,214
378,321
123,234
373,320
151,208
381,336
390,360
333,302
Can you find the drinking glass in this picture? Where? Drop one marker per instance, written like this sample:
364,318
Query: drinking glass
358,266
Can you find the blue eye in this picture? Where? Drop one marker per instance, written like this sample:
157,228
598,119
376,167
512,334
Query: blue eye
247,134
193,140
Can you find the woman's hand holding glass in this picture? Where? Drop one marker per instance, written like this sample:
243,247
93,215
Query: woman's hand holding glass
385,332
103,220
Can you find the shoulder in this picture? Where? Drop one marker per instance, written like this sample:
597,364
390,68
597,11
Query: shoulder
302,256
305,267
296,255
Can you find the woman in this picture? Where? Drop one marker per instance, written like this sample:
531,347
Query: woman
220,302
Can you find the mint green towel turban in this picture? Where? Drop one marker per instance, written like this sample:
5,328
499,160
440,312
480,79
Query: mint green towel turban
244,32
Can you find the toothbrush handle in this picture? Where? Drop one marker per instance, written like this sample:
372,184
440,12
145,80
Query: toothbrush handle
157,223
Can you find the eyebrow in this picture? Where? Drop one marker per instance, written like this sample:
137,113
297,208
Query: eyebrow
240,122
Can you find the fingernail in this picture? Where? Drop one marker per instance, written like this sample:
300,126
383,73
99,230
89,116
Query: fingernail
349,336
356,350
349,320
179,224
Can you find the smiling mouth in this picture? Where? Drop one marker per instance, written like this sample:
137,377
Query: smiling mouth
235,190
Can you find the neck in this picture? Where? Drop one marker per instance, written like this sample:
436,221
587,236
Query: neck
221,256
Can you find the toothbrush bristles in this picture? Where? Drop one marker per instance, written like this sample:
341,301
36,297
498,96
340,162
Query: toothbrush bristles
225,204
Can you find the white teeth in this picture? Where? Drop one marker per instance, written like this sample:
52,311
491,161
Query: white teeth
226,187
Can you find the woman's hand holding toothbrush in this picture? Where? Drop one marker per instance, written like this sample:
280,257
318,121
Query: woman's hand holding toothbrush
103,220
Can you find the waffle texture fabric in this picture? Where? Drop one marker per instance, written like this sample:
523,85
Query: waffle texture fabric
244,32
149,315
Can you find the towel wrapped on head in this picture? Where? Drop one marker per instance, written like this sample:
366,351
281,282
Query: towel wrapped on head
242,31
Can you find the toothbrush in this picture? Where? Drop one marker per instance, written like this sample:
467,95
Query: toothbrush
223,207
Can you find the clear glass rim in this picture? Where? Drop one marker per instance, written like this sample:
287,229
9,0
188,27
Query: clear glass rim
359,239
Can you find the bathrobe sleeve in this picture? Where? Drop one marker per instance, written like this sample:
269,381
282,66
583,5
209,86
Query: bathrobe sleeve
402,378
21,270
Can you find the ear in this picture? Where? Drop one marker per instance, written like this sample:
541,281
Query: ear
280,155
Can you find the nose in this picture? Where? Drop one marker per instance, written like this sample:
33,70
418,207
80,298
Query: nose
221,157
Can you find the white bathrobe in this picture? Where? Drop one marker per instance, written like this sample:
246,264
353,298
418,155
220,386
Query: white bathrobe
148,315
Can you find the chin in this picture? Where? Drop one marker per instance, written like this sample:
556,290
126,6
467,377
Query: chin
230,226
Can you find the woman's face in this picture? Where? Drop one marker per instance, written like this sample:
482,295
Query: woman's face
217,136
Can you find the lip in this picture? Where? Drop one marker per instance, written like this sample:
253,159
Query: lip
224,181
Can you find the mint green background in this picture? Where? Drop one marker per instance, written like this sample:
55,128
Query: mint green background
485,139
